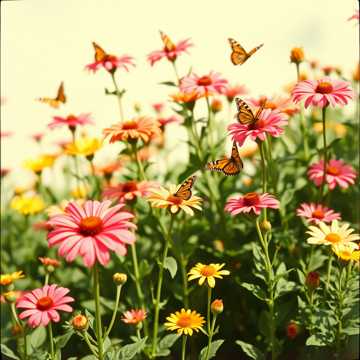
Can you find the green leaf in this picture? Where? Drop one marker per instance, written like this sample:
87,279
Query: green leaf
127,352
255,290
171,265
168,341
38,337
168,83
62,340
8,352
214,347
314,340
251,350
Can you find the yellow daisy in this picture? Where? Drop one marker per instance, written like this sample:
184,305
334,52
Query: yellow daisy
348,251
27,204
85,146
323,234
207,272
40,163
7,279
165,198
184,322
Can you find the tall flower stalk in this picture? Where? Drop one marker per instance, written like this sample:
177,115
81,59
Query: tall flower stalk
119,95
325,152
98,323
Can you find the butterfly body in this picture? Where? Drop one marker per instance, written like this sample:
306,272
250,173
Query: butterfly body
55,102
228,166
245,115
100,54
184,191
239,55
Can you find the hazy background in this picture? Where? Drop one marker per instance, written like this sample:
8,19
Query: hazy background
44,42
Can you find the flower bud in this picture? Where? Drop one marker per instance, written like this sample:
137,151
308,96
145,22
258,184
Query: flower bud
119,278
292,330
16,330
266,225
216,105
312,280
10,296
218,245
297,55
80,322
217,307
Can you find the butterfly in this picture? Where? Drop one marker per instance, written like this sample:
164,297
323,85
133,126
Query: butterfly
239,54
228,166
184,191
245,115
168,44
100,54
55,102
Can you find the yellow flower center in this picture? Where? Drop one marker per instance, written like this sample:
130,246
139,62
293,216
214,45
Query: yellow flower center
44,303
90,226
208,270
251,199
333,238
184,321
175,199
130,125
204,81
318,213
332,170
324,87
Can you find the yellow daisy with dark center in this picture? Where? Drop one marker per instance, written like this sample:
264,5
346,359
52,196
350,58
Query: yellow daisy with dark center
207,272
184,322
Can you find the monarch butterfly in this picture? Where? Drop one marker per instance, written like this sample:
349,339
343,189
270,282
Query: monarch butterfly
245,115
169,45
184,191
239,54
228,166
100,54
55,102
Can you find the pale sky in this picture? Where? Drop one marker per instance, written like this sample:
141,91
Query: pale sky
45,42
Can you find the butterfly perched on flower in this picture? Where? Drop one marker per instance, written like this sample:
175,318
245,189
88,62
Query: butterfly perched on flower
228,166
239,54
55,102
245,115
100,54
184,191
168,44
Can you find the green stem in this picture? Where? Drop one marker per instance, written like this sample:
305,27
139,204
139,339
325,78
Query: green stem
208,309
159,286
47,275
87,340
210,126
210,337
183,347
17,321
328,272
51,341
176,72
183,263
112,321
98,323
325,152
141,172
118,95
264,173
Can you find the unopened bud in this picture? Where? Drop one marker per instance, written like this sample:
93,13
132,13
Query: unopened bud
266,225
297,55
119,278
216,105
217,306
313,280
10,296
80,322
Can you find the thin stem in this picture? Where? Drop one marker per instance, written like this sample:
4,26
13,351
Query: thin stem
98,324
176,72
17,321
141,172
118,95
46,281
183,347
112,321
159,286
51,341
208,309
328,273
87,340
183,263
325,152
210,126
264,174
210,337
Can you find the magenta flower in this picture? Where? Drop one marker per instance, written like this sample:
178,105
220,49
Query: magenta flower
251,202
170,50
42,305
323,92
90,230
71,121
315,213
168,120
205,85
270,122
337,173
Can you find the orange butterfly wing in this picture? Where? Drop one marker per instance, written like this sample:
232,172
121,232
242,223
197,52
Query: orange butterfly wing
169,45
238,55
245,115
184,191
61,97
100,54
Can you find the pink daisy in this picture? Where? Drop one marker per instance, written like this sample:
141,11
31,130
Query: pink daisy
71,120
315,213
134,317
270,122
205,85
42,304
158,107
251,202
323,92
234,90
37,136
129,190
91,230
170,50
4,134
168,120
337,173
356,16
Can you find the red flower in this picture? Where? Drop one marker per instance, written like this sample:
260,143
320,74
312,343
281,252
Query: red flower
71,121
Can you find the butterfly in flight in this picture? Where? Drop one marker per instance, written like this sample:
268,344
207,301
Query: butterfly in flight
228,166
100,54
239,54
55,102
184,191
245,115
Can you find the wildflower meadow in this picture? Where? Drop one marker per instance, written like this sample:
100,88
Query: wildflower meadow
248,249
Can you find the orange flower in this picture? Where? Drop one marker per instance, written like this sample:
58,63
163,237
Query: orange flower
297,55
182,97
134,317
142,128
46,261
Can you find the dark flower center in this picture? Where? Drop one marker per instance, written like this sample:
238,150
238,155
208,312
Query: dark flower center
129,186
318,214
90,226
44,303
175,199
204,81
324,87
129,125
251,199
332,170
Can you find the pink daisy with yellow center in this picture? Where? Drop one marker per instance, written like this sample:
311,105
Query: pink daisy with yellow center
315,213
323,92
91,230
251,202
42,305
337,173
